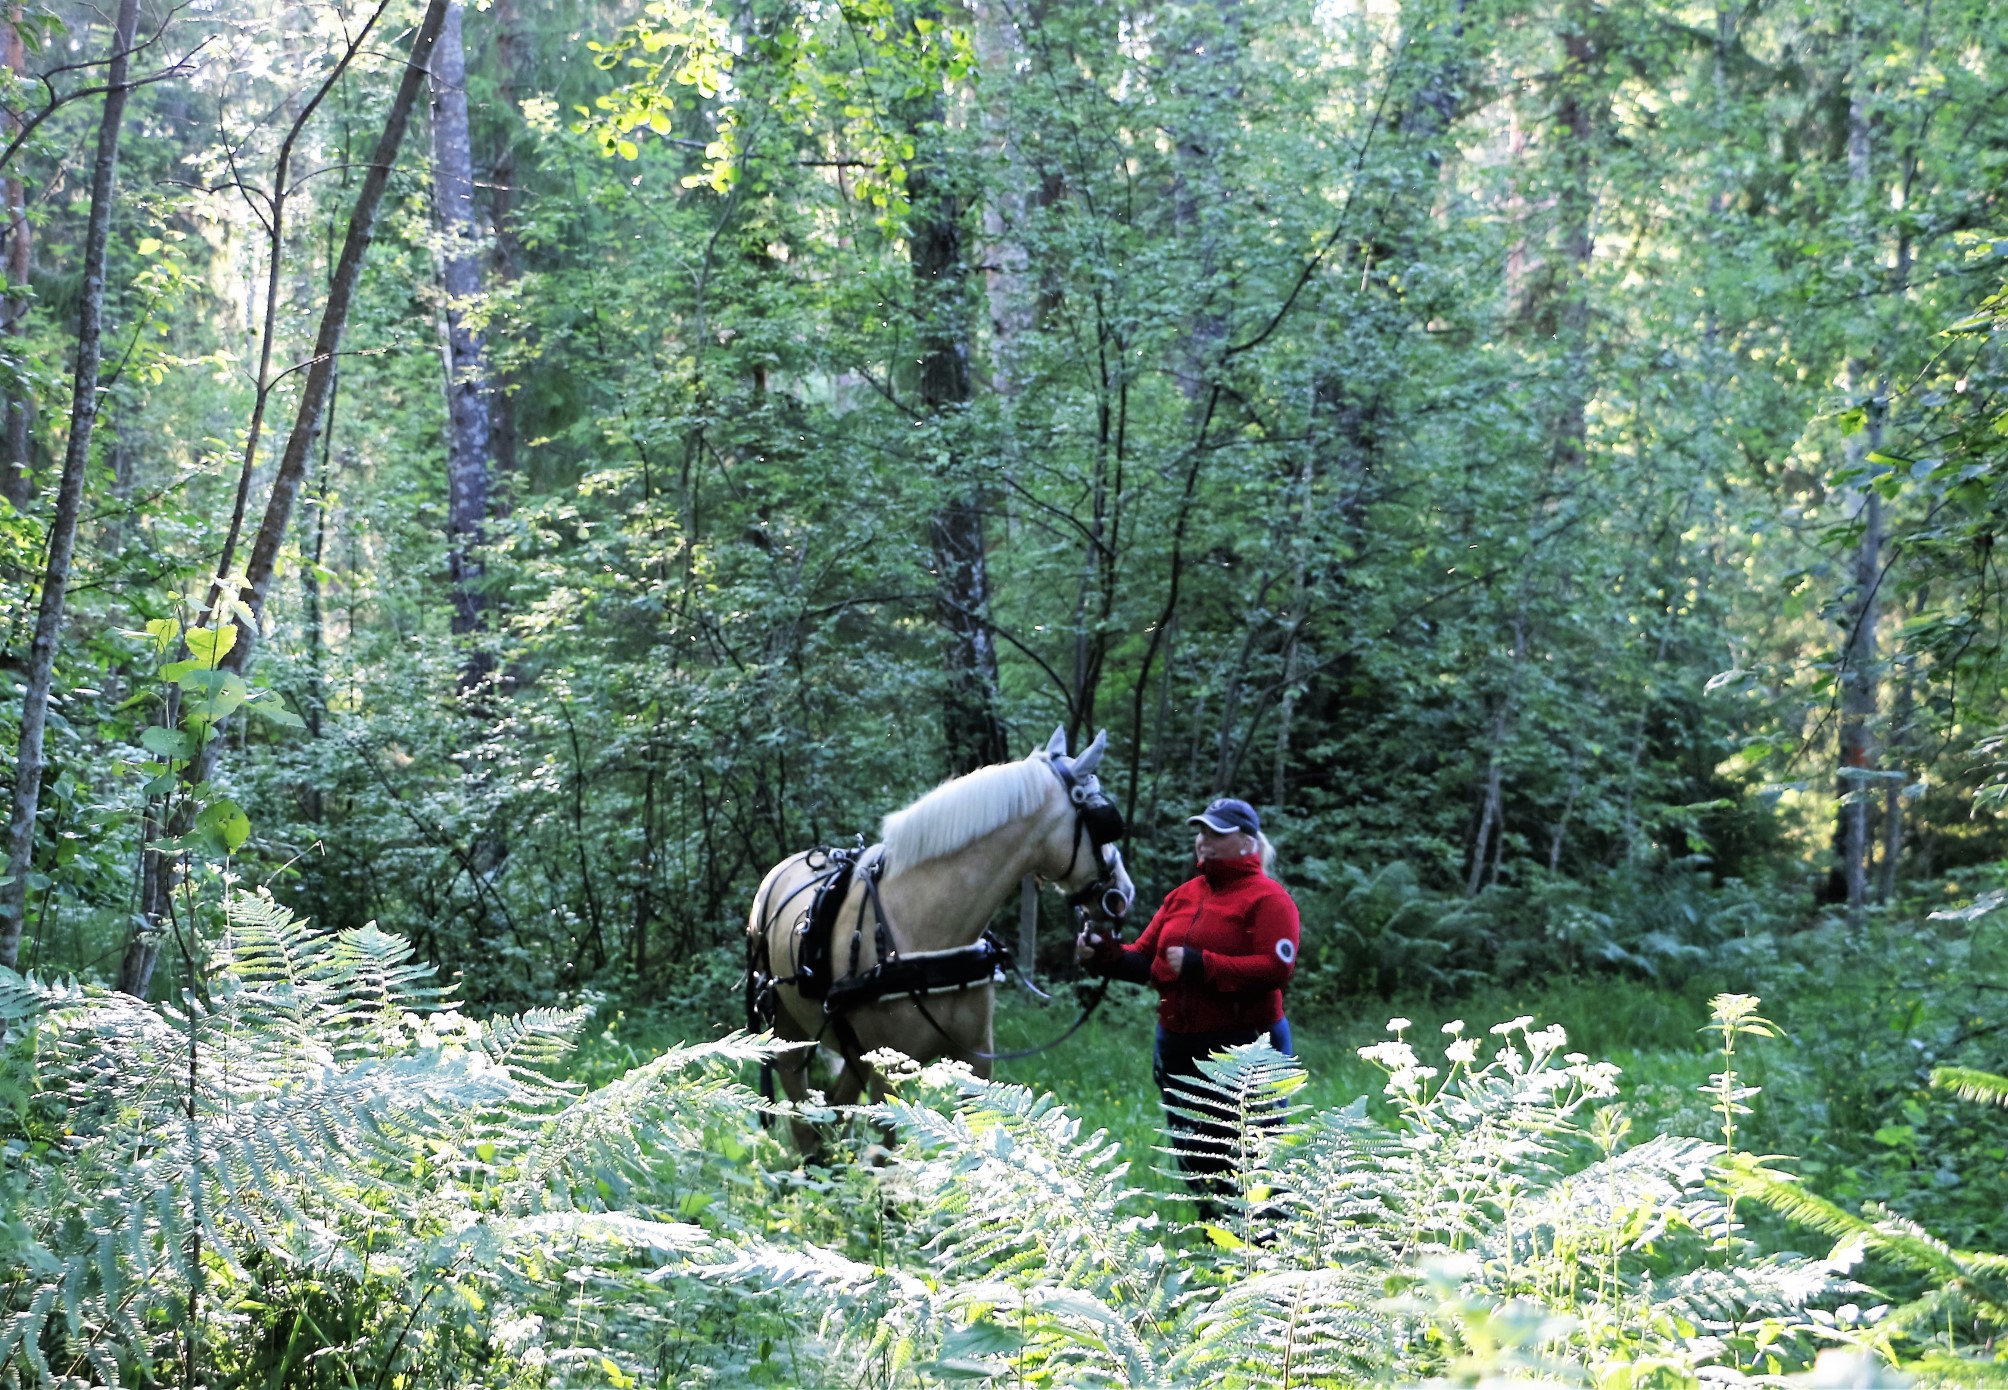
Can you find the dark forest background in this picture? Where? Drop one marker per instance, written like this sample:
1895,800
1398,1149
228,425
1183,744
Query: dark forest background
1546,455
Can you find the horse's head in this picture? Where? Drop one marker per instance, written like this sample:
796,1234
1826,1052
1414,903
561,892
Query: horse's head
1082,854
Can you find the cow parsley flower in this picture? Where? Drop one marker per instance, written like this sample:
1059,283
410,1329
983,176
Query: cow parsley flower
1390,1056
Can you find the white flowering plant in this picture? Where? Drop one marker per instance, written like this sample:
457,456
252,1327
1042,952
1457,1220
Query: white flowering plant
1494,1220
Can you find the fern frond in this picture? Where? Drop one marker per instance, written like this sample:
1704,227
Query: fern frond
1294,1327
1968,1084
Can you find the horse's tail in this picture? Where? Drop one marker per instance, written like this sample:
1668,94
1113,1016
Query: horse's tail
757,971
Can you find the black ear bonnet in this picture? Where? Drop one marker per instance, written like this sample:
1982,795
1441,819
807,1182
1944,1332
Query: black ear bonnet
1098,814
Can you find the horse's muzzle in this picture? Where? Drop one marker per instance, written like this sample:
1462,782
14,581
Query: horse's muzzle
1114,904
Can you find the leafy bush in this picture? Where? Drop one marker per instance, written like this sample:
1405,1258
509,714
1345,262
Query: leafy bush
1386,933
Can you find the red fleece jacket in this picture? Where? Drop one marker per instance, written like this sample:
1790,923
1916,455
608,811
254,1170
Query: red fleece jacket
1239,931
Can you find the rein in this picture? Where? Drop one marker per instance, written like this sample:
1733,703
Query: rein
1094,995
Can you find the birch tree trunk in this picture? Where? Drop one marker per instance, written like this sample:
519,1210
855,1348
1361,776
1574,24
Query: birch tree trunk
466,353
1007,271
143,947
14,434
28,764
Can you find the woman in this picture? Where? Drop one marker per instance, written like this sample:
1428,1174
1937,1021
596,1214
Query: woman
1220,950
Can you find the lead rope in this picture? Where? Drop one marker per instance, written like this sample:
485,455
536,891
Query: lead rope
1099,993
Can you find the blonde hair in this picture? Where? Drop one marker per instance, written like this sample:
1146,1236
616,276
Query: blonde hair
1268,853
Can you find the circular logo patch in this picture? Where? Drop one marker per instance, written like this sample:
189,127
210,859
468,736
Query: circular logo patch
1286,950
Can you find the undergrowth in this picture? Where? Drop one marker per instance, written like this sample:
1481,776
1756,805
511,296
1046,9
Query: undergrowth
319,1170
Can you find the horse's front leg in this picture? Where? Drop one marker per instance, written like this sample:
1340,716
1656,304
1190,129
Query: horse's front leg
987,1034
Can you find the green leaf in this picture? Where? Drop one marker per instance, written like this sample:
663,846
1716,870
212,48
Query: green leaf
272,710
211,645
168,743
213,694
222,826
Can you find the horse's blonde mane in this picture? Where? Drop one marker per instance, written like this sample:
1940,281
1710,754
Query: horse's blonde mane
964,810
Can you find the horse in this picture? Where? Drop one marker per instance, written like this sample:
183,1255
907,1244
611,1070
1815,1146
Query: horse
906,963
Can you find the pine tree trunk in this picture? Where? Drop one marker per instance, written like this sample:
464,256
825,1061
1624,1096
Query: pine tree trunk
136,970
466,353
28,763
1577,202
1859,677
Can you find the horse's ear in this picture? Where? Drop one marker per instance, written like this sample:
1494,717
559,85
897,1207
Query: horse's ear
1056,746
1091,756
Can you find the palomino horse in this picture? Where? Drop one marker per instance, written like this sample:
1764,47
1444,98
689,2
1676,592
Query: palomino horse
926,891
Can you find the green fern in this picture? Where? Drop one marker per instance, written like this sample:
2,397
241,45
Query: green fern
1968,1084
320,1144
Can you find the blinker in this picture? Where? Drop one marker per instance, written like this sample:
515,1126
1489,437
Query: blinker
1104,821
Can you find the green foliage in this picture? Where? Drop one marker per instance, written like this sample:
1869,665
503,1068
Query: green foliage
1961,1288
318,1161
1484,1229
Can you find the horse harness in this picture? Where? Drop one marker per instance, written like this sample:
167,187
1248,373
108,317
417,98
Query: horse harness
914,974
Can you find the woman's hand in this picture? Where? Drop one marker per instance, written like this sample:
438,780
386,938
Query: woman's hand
1174,956
1085,946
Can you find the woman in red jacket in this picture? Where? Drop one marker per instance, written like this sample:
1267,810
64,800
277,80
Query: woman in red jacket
1219,951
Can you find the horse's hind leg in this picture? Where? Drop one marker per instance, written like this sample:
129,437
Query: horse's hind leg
792,1067
855,1083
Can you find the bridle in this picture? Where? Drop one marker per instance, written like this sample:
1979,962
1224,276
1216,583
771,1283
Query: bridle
1097,821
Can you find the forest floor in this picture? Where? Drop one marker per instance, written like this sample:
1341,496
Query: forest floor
1102,1074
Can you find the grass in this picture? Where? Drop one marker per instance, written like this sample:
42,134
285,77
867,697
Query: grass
1102,1073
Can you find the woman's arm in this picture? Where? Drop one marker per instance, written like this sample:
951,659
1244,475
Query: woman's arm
1272,956
1120,962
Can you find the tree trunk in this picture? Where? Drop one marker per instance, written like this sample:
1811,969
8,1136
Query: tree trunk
941,280
1492,812
1008,264
15,483
1293,638
1897,745
136,971
1576,116
69,495
275,231
1858,676
466,379
506,258
1202,63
